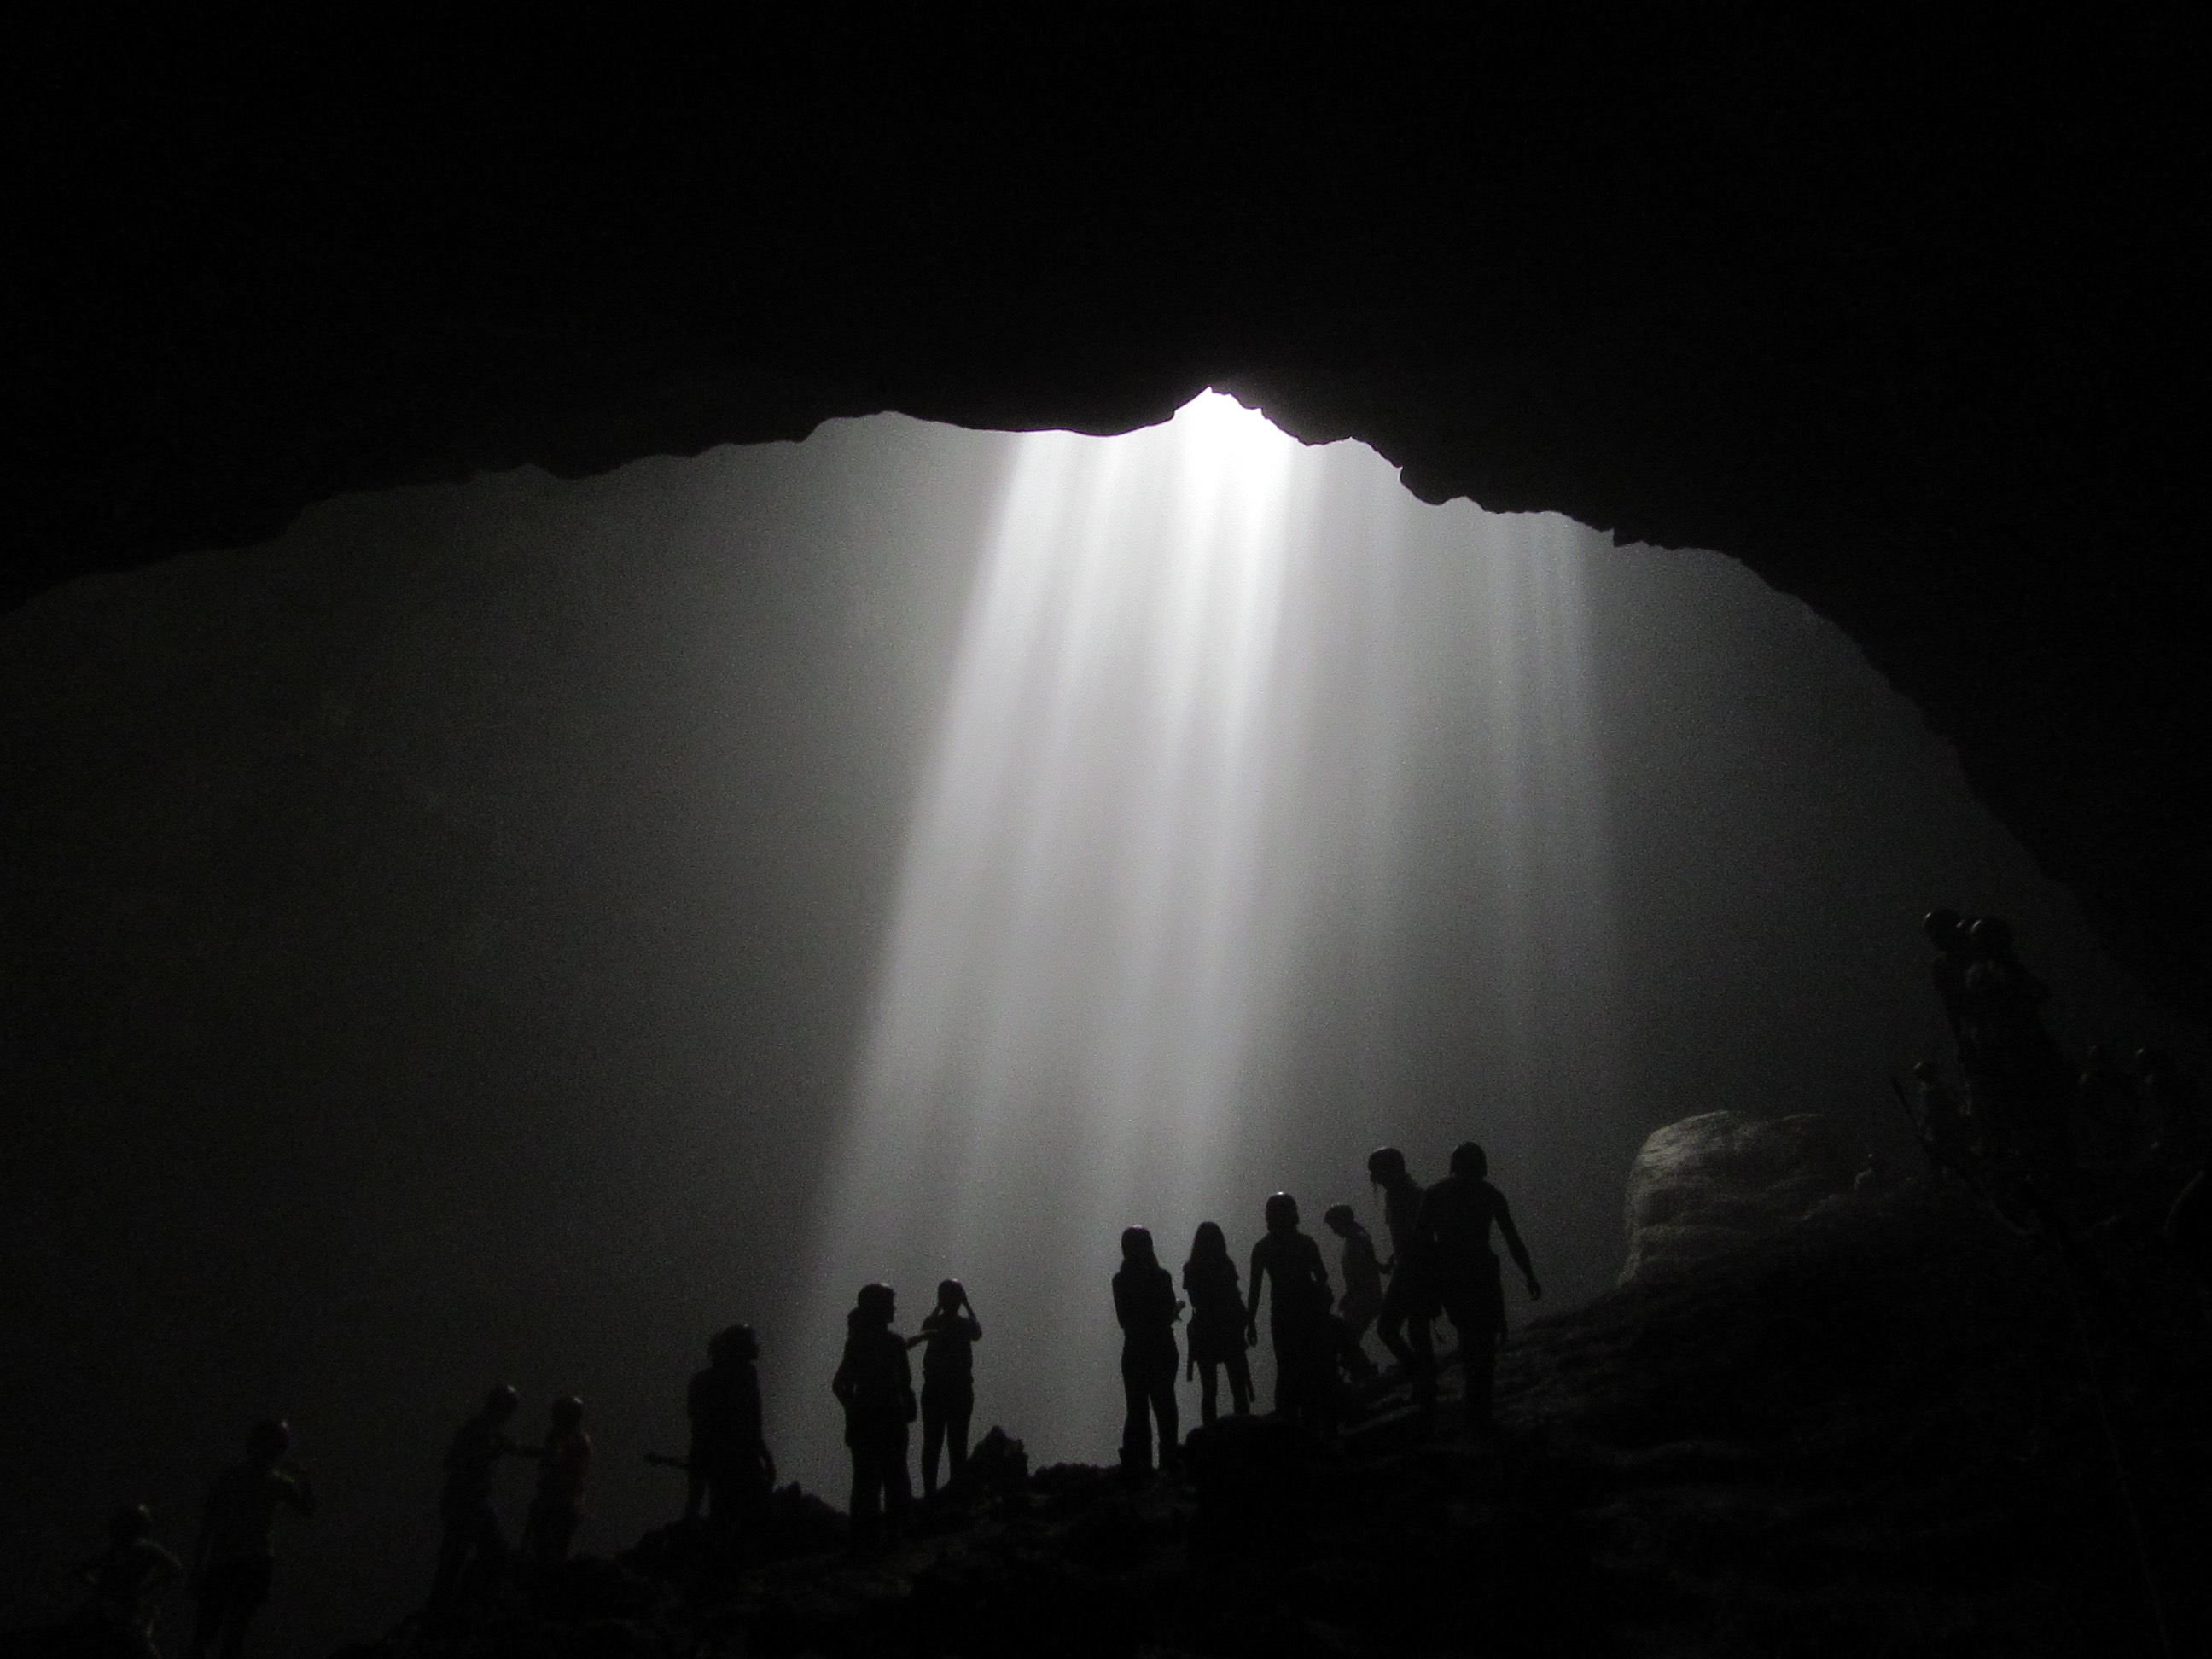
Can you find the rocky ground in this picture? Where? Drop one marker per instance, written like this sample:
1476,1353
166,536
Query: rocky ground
1898,1427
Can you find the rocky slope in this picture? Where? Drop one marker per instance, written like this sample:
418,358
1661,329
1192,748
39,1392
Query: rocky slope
1896,1428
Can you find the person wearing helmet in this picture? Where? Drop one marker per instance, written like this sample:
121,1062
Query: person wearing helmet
875,1385
122,1581
1217,1322
1408,1304
730,1471
557,1507
1144,1304
471,1540
1454,1229
1290,1263
950,1333
235,1558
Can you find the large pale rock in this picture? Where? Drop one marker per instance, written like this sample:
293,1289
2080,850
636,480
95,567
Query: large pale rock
1710,1182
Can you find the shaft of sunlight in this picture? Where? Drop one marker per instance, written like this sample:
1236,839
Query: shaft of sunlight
1160,851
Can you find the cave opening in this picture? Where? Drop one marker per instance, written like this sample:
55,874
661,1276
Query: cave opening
478,917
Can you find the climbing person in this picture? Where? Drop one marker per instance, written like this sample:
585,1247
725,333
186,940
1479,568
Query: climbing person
556,1509
1454,1228
123,1582
1218,1338
2011,1061
471,1542
1362,1282
1145,1306
730,1472
1289,1262
948,1383
1408,1304
235,1558
1946,930
875,1385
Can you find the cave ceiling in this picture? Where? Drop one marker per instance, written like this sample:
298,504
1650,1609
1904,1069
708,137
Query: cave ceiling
1899,311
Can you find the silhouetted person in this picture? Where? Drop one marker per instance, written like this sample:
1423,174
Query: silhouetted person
1217,1336
2022,1084
1455,1230
124,1581
1362,1279
1290,1263
948,1382
2171,1109
470,1538
235,1558
1946,930
556,1509
875,1385
1409,1304
730,1471
1144,1304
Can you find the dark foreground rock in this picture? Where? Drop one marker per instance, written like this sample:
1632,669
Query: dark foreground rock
1897,1428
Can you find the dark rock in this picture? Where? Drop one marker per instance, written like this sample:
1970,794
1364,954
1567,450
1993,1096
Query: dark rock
1710,1183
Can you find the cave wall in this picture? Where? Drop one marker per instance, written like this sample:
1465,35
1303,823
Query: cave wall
1896,310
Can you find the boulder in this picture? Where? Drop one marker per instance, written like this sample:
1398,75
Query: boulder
1710,1183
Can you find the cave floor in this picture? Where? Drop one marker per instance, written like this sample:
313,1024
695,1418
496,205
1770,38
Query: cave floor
1896,1429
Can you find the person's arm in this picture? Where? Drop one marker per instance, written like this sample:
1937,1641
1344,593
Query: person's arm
1513,1244
975,1326
1252,1295
842,1385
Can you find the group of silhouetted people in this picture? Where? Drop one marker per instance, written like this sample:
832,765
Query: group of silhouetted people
1440,1264
233,1559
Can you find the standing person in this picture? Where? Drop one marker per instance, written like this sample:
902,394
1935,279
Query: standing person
235,1556
470,1537
875,1385
948,1382
1291,1261
1218,1338
122,1579
730,1471
557,1508
1409,1304
1454,1232
1145,1304
1363,1283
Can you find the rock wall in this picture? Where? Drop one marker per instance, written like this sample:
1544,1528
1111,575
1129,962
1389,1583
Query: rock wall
1898,310
1709,1183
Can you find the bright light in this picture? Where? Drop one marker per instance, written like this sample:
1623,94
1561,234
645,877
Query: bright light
1167,782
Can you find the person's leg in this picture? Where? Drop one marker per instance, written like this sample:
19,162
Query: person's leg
1208,1380
958,1412
454,1547
1240,1383
933,1440
1390,1325
251,1590
1136,1421
1163,1407
868,1491
1288,1372
210,1613
898,1493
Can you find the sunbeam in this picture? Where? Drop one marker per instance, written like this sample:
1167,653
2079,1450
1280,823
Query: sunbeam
1159,857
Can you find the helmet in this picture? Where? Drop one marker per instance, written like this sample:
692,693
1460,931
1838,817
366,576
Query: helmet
1990,936
734,1344
271,1438
501,1401
1338,1215
1943,928
1137,1244
569,1411
1469,1160
1282,1213
877,1301
1385,1162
